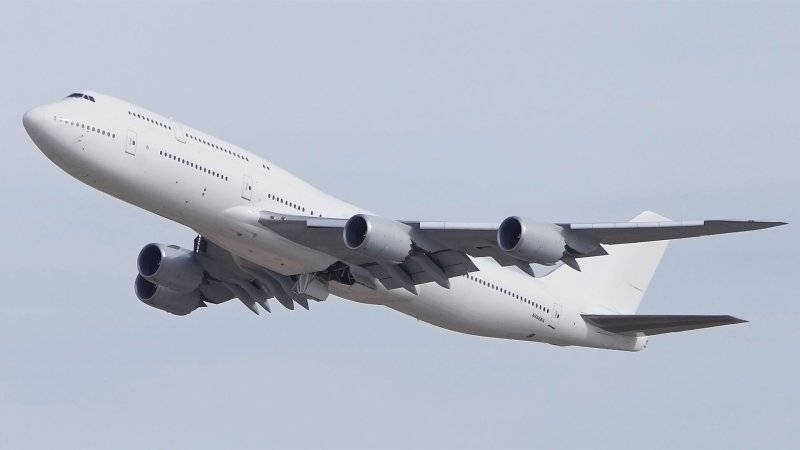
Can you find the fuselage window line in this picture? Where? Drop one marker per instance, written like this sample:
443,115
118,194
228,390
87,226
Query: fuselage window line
510,294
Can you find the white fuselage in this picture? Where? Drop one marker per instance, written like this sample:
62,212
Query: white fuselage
213,187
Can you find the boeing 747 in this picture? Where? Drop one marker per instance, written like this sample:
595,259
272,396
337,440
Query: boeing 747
263,234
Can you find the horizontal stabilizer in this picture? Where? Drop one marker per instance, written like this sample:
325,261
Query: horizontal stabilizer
648,325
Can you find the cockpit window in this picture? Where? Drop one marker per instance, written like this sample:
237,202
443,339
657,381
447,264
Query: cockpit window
79,95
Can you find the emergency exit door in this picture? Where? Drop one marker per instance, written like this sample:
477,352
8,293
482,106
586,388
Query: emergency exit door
247,188
130,146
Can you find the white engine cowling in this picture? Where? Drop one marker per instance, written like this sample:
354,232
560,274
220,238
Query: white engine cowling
533,242
165,299
377,237
170,266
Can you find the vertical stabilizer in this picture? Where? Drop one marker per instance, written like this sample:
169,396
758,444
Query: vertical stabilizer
614,283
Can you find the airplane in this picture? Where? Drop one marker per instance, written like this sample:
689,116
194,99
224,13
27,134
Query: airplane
264,234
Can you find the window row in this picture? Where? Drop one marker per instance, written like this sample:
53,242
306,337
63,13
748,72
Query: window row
288,203
147,119
86,127
509,293
217,147
188,163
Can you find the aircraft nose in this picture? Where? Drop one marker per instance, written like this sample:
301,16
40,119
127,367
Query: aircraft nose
33,121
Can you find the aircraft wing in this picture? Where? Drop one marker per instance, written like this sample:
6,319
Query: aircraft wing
440,250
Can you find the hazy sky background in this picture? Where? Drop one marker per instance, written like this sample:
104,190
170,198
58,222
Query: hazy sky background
451,111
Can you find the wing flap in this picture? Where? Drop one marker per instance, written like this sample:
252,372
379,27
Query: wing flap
452,263
649,325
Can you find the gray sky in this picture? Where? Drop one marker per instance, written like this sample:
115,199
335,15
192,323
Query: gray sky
451,111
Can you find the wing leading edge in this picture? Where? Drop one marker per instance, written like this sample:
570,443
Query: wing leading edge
649,325
633,232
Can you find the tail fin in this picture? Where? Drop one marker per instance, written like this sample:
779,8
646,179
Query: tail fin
614,283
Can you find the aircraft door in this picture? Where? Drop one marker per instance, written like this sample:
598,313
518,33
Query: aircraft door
130,146
555,315
247,188
180,134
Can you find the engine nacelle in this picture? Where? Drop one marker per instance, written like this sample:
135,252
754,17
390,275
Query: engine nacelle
377,237
533,242
165,299
170,266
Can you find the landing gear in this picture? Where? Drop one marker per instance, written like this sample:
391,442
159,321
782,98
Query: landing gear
340,273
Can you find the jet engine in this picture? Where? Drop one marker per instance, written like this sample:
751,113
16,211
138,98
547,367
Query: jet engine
170,266
379,238
165,299
532,242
